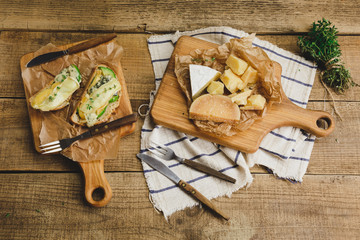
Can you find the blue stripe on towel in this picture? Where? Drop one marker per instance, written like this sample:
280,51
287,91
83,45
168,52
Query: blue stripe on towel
160,60
159,42
283,137
191,159
284,157
237,156
297,81
189,181
298,102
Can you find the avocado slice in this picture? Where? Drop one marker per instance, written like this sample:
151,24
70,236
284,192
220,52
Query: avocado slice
107,71
102,112
114,99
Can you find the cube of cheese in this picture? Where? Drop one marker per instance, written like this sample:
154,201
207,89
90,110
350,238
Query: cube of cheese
231,80
216,87
255,102
250,75
241,98
200,78
236,64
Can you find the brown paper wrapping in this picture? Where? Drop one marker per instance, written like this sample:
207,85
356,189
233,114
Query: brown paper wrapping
56,125
269,84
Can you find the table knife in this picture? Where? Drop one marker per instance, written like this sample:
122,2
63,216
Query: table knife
163,169
47,57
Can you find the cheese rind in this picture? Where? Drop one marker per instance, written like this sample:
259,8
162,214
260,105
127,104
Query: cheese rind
200,77
216,87
217,108
231,80
236,64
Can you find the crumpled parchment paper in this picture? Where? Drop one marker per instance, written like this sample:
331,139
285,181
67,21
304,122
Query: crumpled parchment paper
269,83
56,125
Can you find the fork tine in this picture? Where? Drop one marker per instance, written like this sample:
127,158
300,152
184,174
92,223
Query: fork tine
49,144
51,147
52,151
160,155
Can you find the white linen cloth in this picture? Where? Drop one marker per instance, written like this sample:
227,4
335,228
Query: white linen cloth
285,151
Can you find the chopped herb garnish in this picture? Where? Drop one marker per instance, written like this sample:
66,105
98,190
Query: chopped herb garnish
213,59
37,210
55,94
58,87
91,99
97,95
51,98
196,59
88,107
7,215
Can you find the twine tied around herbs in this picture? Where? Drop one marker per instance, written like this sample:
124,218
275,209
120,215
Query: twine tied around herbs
328,67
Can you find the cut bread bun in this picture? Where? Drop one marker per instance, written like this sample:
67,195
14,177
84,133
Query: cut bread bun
100,99
57,93
215,108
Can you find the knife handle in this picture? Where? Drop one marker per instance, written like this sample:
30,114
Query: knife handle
97,129
90,43
205,169
195,193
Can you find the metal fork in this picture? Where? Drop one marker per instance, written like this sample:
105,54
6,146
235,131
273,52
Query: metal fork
167,153
58,146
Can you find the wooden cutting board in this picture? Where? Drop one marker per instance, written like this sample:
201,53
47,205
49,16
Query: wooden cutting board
93,171
170,109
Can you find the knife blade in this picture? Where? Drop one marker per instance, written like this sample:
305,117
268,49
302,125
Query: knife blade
48,57
166,171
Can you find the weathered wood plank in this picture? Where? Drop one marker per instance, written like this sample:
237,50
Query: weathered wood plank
151,15
336,154
136,60
39,206
13,45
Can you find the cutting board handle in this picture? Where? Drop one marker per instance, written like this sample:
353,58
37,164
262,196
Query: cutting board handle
95,180
318,123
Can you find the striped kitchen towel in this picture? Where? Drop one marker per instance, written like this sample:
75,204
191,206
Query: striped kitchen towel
285,151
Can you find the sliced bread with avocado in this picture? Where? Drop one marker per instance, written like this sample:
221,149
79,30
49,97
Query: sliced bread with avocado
100,98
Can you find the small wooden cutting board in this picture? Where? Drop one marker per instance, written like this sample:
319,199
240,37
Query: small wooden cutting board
170,109
94,170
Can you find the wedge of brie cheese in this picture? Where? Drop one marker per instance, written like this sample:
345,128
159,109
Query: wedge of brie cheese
200,78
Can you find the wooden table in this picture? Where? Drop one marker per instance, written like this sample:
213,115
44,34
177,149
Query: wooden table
41,197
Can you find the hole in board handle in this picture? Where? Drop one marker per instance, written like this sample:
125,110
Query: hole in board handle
98,194
323,123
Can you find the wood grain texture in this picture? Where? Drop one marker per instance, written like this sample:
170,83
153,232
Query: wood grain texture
323,207
151,15
170,109
137,68
136,63
338,153
40,205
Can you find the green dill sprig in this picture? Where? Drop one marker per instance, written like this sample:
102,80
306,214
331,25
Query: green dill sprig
321,45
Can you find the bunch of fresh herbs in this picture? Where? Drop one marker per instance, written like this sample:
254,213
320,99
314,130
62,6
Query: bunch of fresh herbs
321,45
